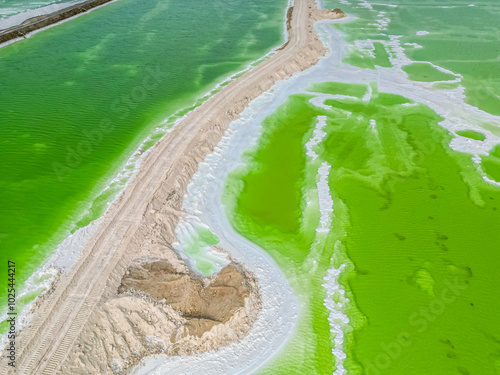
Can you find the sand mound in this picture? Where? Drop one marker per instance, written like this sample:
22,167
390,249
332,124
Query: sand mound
161,309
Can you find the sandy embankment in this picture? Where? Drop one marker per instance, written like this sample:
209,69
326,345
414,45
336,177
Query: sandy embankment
104,314
9,32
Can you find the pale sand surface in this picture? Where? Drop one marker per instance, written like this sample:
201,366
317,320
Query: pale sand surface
84,326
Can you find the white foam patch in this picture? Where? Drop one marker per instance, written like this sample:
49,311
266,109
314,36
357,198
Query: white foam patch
319,100
318,135
325,200
382,22
472,146
386,5
373,126
337,318
366,45
422,32
458,77
368,96
365,4
414,45
490,181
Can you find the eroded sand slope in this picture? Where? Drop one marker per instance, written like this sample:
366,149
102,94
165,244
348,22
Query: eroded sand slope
162,308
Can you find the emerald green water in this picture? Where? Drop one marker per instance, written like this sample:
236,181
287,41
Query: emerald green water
77,99
422,240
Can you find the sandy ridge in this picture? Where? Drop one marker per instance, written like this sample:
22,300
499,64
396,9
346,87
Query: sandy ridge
39,22
151,204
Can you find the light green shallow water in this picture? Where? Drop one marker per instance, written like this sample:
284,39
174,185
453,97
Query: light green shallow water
77,99
414,222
